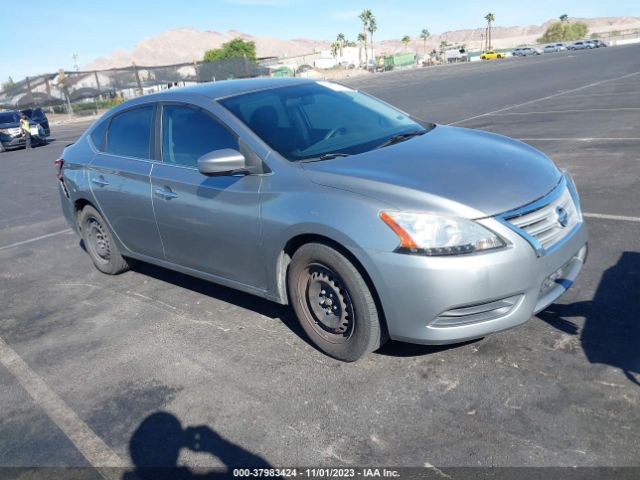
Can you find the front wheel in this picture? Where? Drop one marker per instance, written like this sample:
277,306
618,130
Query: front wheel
333,303
99,242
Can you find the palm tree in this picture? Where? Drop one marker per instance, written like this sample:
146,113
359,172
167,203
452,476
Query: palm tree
335,47
341,39
424,34
365,18
373,26
362,40
489,17
564,17
405,40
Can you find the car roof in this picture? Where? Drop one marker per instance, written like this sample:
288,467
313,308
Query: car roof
227,88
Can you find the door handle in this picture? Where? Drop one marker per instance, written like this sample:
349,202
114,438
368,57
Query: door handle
166,194
100,181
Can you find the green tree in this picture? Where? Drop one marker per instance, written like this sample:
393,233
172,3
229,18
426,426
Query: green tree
232,49
490,18
564,31
424,34
405,40
8,84
365,17
564,17
444,43
341,39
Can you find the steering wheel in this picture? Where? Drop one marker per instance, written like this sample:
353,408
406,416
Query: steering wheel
334,132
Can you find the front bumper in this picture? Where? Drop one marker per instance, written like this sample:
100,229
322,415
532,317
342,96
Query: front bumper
13,142
440,300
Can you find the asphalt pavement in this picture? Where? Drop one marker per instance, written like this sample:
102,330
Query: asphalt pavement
118,371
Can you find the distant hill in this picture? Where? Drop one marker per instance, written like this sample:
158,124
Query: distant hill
187,44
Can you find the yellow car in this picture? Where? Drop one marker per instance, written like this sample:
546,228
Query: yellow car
491,54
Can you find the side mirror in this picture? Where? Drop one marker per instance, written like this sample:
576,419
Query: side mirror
222,162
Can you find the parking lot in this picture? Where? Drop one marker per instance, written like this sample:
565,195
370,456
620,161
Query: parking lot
89,362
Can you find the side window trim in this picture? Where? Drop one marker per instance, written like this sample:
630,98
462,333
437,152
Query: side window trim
160,125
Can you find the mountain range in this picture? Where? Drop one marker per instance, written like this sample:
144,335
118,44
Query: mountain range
187,44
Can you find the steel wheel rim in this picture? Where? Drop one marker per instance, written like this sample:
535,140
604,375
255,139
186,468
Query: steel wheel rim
97,241
327,303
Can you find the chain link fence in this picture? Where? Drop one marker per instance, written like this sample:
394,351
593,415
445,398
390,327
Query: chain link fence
87,91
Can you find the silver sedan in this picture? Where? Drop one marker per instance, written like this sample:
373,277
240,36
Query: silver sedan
369,223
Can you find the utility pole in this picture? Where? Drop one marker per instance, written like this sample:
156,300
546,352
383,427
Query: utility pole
65,91
75,57
30,97
135,70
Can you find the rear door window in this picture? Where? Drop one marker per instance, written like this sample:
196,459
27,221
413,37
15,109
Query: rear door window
130,133
189,133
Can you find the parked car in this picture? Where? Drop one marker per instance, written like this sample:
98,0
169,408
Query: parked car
596,43
492,54
304,68
554,47
581,45
11,134
526,51
369,223
37,115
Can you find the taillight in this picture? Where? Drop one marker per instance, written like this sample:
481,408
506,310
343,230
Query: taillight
59,163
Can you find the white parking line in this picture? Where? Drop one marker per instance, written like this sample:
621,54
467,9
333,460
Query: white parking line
35,239
97,453
605,216
575,110
548,97
614,94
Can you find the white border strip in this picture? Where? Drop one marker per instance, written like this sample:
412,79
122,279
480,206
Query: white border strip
97,453
604,216
35,239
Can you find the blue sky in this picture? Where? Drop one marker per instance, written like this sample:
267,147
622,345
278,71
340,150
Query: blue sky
92,29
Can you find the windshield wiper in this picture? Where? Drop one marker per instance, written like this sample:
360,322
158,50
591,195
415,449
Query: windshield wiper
326,156
401,137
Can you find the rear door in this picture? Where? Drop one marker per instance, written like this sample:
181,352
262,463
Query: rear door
120,182
208,223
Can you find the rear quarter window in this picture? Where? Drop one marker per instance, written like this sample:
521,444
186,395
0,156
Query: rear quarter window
97,134
129,133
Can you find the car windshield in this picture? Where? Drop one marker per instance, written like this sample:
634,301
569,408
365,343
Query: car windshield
319,120
8,117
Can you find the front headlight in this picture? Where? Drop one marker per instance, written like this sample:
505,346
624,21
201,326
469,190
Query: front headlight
426,234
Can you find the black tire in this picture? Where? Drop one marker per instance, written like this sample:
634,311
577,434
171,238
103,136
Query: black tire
2,149
333,303
99,243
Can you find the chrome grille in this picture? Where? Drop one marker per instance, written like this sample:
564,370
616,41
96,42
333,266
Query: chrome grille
550,223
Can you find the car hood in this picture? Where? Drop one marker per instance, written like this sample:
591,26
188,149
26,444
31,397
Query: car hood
449,170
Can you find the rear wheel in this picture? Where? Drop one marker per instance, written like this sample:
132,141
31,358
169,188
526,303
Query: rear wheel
99,242
333,303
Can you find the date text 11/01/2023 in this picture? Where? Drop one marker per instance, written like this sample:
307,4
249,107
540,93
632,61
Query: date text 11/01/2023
316,472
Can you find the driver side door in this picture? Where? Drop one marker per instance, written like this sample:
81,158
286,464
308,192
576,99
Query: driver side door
207,223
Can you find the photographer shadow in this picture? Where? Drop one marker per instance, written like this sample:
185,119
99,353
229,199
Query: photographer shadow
156,444
611,331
